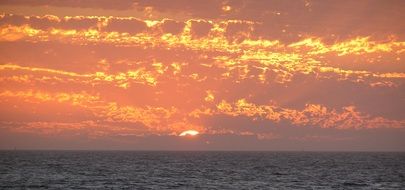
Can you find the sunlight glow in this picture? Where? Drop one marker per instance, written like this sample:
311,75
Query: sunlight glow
189,133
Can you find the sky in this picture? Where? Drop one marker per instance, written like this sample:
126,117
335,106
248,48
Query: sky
295,75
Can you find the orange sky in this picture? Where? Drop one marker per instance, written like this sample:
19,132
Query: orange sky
247,75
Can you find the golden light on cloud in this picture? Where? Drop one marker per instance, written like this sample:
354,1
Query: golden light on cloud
189,133
226,8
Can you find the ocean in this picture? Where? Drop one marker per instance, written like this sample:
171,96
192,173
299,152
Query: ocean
200,170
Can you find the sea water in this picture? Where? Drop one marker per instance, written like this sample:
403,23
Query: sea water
200,170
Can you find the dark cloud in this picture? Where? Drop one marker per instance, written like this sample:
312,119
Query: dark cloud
44,23
131,26
47,22
200,28
102,4
238,31
388,140
10,19
172,26
78,23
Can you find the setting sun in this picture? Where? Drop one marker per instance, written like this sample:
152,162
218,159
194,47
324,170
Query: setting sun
189,133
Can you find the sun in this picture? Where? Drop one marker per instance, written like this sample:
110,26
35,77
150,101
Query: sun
189,133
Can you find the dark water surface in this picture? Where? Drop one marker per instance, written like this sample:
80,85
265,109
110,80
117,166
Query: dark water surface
202,170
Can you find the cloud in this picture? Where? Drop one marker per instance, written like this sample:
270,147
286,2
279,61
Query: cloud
103,4
306,56
312,115
44,23
122,80
48,22
79,23
200,28
171,26
153,118
166,121
128,25
238,30
90,129
341,20
11,19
